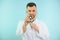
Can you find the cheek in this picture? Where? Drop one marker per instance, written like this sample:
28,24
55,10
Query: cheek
34,14
28,13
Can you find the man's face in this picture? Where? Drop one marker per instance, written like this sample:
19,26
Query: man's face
31,11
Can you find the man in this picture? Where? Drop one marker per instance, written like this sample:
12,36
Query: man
31,28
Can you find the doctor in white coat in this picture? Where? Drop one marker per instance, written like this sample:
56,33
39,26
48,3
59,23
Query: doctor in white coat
32,28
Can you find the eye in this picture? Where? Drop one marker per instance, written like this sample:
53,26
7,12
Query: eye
29,10
33,10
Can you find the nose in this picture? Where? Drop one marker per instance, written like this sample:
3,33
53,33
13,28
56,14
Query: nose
31,12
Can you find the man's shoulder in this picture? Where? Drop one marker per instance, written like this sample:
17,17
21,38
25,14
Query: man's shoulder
40,21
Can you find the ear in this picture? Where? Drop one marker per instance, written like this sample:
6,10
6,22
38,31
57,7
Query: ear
26,11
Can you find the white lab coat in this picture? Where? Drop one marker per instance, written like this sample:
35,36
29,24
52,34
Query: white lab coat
31,34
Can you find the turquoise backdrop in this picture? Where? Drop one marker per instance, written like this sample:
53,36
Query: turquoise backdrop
11,11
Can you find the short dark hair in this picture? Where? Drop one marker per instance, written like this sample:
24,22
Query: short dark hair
31,4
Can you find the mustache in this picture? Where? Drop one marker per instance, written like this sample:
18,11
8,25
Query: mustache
31,16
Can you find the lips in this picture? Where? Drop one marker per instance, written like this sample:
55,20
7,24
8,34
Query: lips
32,16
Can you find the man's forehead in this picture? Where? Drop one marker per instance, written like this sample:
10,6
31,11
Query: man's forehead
33,7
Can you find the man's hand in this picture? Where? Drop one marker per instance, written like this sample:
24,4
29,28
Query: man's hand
27,20
35,27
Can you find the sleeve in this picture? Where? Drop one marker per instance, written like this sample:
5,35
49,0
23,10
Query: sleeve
19,31
43,32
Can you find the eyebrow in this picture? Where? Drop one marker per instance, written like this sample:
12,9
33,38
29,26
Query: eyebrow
29,10
33,10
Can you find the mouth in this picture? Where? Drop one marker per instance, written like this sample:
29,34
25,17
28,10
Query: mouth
32,16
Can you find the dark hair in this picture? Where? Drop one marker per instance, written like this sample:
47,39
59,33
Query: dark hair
31,4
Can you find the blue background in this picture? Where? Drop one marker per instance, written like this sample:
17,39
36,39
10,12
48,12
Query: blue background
11,11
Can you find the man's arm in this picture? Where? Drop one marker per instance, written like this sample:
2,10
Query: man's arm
27,20
24,27
19,29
